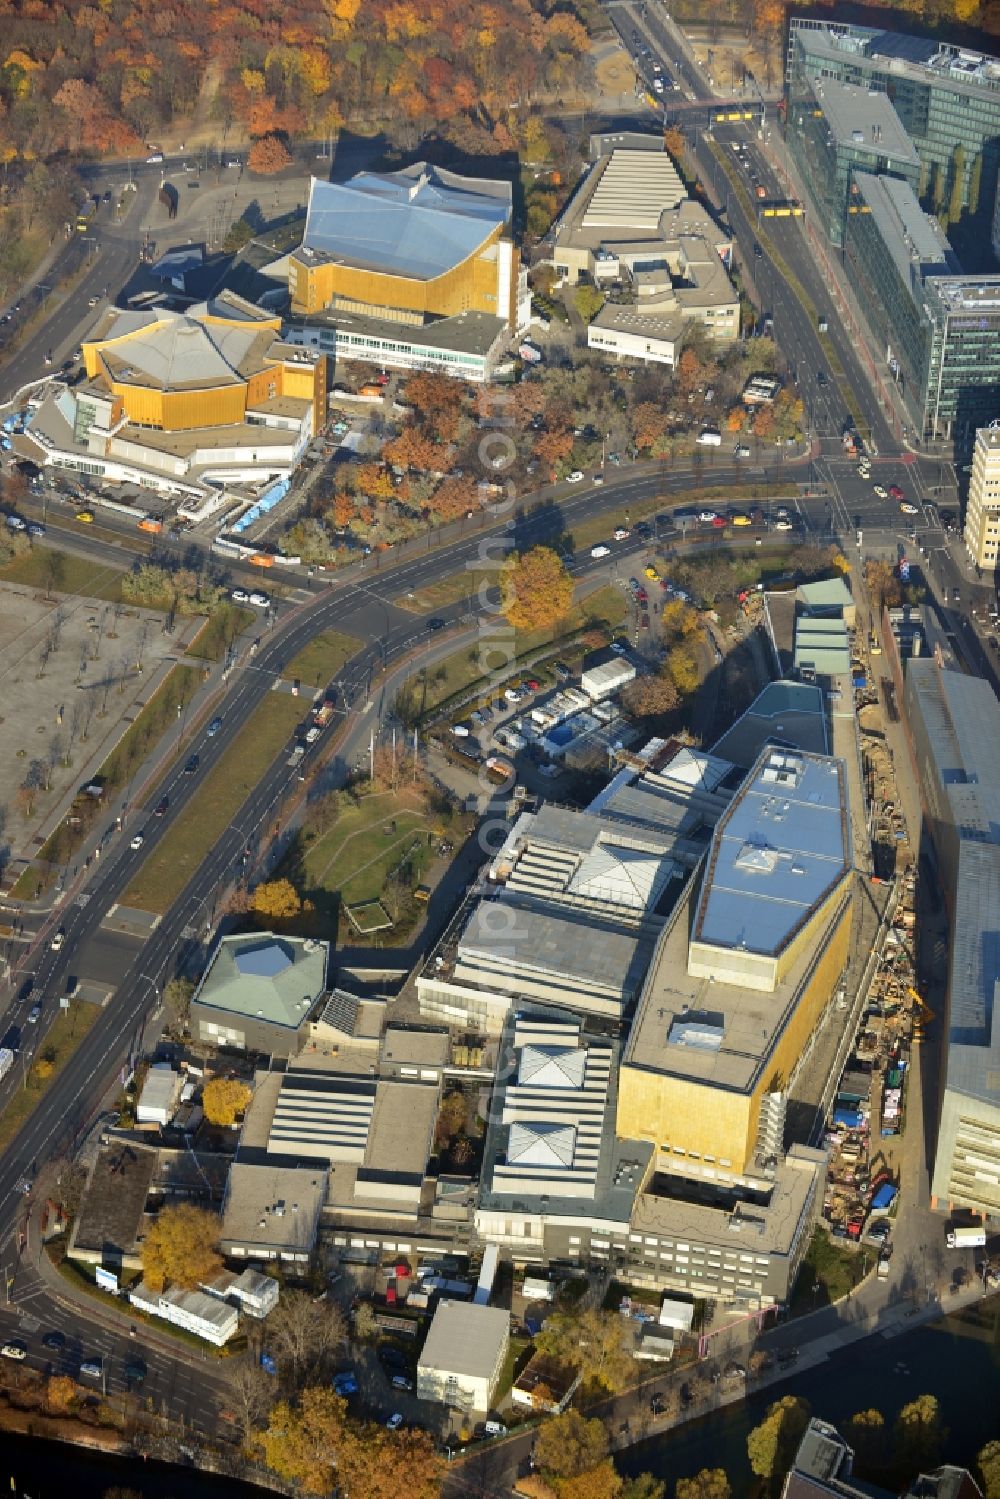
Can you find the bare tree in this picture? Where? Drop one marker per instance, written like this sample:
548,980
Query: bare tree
254,1393
305,1332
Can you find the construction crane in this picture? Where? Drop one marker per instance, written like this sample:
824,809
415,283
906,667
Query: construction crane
926,1016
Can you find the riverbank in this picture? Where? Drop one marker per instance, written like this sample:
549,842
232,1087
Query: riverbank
48,1469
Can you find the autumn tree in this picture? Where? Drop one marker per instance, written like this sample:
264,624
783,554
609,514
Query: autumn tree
536,589
268,155
253,1393
588,301
303,1439
277,900
181,1247
436,400
673,140
643,1486
679,621
919,1434
177,996
882,584
596,1341
649,423
710,1483
772,1445
452,1117
413,449
60,1393
569,1444
988,1463
365,1325
379,1464
650,696
224,1099
601,1482
682,667
866,1433
454,497
305,1332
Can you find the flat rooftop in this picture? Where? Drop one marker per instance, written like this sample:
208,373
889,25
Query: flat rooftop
470,332
914,239
402,1127
465,1339
896,54
275,979
709,1032
787,714
864,120
778,851
112,1209
273,1205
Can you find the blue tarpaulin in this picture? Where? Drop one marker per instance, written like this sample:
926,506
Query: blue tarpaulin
267,501
884,1197
848,1118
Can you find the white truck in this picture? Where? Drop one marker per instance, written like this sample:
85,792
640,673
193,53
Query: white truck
6,1060
296,754
968,1236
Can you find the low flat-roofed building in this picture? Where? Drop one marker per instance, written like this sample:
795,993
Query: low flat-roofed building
206,1316
259,992
273,1213
555,1183
255,1294
731,1245
744,969
606,674
469,345
830,597
822,646
789,715
463,1355
410,1051
109,1226
159,1096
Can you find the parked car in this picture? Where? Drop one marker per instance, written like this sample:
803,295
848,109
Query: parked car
394,1422
15,1349
345,1384
240,596
261,600
576,477
91,1368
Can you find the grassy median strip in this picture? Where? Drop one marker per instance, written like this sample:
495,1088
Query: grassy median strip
212,809
60,1042
461,585
320,660
64,572
217,634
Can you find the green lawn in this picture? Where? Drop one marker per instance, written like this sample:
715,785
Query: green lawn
448,590
143,734
353,858
827,1273
61,1040
319,661
205,818
219,631
63,572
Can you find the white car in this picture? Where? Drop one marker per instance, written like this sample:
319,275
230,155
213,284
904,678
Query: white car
707,516
240,596
58,938
783,525
576,477
907,508
15,523
881,491
260,599
618,647
621,534
600,551
138,840
14,1350
35,528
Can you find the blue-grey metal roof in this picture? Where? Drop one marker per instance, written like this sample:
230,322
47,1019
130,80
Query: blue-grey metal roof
780,848
417,223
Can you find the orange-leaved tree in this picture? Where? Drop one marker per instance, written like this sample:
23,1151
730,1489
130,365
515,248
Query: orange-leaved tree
181,1247
535,589
268,155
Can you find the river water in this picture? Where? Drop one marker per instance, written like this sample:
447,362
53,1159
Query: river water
957,1359
54,1470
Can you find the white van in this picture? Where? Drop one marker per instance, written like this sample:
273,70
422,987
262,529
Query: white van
709,439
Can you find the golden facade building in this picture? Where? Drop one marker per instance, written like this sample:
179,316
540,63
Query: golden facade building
742,975
407,247
186,403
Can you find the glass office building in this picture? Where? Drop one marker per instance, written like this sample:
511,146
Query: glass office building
945,96
937,331
834,130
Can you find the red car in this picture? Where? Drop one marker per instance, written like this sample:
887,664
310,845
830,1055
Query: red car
532,684
642,596
895,492
718,522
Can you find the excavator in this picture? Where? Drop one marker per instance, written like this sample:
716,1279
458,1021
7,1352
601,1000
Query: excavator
924,1018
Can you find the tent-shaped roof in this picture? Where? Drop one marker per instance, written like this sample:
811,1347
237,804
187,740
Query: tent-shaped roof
621,875
541,1145
552,1066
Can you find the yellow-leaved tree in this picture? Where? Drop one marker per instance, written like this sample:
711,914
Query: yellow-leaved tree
535,589
224,1099
277,899
181,1247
